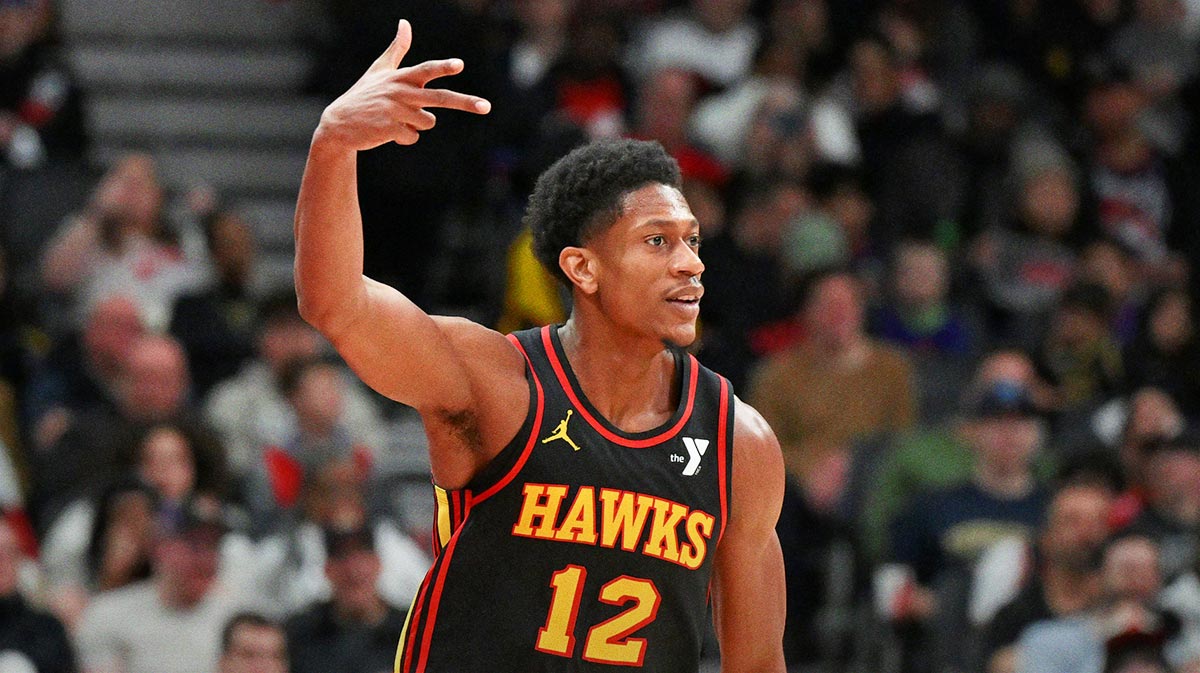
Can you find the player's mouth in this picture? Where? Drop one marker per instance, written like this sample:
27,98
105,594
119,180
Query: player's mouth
686,298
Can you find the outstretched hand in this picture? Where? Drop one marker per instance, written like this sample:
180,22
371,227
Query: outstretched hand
388,102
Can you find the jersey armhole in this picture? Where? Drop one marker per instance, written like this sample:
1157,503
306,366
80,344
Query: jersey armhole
501,469
725,448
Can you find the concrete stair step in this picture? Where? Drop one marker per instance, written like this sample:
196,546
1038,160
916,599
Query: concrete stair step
121,66
232,171
220,21
219,120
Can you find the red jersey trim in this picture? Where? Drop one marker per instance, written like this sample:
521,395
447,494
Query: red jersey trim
406,658
533,432
434,600
722,452
564,381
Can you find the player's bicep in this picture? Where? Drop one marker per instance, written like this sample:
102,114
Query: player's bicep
401,352
749,594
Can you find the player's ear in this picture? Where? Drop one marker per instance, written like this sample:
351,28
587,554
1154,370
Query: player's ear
579,264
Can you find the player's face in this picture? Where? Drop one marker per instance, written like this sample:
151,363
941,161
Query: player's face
648,266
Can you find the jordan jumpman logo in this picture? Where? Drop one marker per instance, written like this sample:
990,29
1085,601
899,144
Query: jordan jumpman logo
560,432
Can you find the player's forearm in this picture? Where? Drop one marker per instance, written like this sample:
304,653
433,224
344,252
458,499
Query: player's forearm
328,230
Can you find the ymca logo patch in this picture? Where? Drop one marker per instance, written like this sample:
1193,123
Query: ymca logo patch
695,449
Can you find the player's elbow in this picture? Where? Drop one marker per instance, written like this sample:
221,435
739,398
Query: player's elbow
325,313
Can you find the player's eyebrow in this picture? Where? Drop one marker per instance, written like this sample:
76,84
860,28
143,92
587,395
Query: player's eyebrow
689,222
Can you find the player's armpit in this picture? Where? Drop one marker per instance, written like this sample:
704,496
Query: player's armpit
748,587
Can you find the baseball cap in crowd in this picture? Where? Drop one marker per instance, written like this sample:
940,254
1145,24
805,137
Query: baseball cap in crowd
1001,398
341,541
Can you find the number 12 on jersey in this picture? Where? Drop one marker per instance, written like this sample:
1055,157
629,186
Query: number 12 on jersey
609,641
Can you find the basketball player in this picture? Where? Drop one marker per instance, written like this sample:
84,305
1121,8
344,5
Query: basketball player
595,485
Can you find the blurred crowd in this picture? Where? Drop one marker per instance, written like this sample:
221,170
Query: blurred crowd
951,253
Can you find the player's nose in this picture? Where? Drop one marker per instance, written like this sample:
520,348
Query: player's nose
686,261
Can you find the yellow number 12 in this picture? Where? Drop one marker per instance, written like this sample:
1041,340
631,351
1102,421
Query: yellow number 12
609,641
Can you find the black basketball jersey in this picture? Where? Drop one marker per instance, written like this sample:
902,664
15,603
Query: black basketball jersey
580,547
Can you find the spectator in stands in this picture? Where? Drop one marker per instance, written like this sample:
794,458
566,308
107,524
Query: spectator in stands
29,639
936,541
1161,57
1125,625
251,643
541,39
216,325
905,157
779,141
333,494
918,315
171,622
998,115
1080,356
806,37
1004,433
838,194
722,120
939,457
666,100
105,543
95,449
1063,575
41,111
1139,199
1171,517
317,432
355,630
942,337
713,39
1166,351
1107,263
1026,264
121,542
83,373
838,384
251,412
121,243
588,84
821,395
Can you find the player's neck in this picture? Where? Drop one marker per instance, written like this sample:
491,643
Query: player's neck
630,380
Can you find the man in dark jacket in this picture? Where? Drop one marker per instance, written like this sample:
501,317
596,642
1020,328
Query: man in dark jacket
355,630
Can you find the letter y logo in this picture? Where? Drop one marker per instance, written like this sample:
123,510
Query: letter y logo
695,449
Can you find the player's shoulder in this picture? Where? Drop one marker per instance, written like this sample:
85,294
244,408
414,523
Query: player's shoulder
478,343
750,424
754,441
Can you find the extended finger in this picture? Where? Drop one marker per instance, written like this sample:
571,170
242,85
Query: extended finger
422,73
391,57
452,100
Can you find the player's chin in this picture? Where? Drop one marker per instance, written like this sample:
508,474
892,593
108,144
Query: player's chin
680,336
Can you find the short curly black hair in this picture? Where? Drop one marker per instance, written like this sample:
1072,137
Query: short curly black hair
581,193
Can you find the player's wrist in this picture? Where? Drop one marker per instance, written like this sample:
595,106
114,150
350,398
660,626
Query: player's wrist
329,139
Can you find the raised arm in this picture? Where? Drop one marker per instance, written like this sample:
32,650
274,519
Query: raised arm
748,591
391,343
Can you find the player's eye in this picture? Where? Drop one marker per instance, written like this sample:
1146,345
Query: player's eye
694,241
656,241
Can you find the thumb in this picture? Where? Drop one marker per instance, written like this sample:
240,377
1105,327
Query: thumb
391,57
